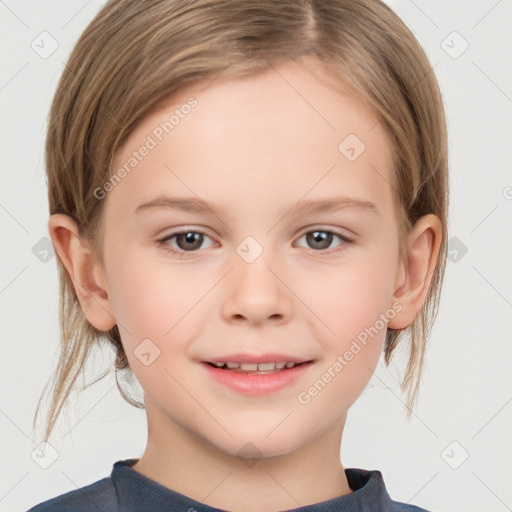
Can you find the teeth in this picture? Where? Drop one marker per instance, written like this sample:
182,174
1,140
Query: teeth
252,367
266,366
248,367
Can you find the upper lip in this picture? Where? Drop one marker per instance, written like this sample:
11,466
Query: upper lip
258,358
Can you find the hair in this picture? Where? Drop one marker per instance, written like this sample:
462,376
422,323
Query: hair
135,54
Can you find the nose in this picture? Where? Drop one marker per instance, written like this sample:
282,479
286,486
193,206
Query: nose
256,293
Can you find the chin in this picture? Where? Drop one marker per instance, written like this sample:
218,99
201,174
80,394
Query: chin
253,447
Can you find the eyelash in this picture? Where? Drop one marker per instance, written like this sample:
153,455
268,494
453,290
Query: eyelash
163,241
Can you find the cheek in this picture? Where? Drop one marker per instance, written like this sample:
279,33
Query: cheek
150,298
354,306
353,302
151,309
349,298
164,304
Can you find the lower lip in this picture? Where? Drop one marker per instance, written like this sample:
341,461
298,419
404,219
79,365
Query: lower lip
257,384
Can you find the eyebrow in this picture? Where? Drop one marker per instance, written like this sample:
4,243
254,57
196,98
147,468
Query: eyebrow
196,205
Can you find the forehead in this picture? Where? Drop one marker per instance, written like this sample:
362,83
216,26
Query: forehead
285,133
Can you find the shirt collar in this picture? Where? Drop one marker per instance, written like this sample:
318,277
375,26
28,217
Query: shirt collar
134,490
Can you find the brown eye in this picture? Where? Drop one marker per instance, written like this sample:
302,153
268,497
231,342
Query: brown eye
321,239
189,241
185,241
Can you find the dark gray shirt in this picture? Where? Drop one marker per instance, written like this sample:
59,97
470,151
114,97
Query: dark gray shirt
127,490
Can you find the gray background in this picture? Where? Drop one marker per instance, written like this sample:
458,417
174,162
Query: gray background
455,454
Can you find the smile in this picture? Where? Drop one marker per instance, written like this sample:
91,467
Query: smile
256,378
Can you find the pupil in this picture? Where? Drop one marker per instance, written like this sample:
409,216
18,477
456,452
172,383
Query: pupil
322,237
190,240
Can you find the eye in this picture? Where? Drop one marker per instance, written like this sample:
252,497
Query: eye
321,239
191,240
188,240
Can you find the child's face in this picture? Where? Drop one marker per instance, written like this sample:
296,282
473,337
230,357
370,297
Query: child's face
251,149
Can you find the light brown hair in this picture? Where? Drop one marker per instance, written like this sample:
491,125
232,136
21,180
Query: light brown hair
135,54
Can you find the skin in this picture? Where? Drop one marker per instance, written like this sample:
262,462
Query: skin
254,146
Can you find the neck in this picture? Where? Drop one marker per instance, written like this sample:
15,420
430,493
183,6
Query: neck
183,462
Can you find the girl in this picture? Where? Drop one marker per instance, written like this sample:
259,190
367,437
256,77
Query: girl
249,205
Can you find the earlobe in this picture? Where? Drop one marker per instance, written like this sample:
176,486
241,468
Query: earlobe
415,275
86,274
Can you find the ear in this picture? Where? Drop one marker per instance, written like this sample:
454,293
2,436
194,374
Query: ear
415,274
87,275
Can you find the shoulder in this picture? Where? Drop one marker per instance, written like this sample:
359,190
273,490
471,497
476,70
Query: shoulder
100,495
404,507
370,491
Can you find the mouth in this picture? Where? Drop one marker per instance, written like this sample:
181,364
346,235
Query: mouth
257,368
256,378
